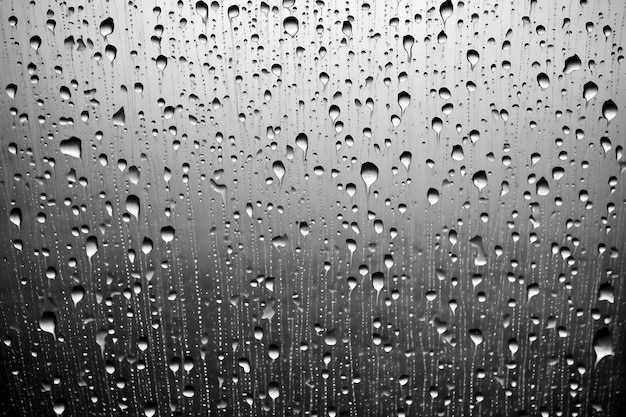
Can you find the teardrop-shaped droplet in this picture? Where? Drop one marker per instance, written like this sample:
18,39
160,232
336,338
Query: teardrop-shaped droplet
133,206
279,170
91,247
233,12
407,43
302,142
78,292
378,282
405,159
15,216
480,180
472,57
161,62
147,245
445,10
433,196
590,90
369,174
404,99
291,26
609,110
203,10
107,26
48,323
603,344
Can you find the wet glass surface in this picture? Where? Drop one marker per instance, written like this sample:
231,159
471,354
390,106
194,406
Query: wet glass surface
312,208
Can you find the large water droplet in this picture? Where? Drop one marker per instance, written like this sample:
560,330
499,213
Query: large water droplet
91,247
133,206
543,80
543,188
167,234
279,170
603,344
15,217
433,196
609,110
107,26
291,26
378,282
72,147
480,180
590,90
573,63
405,159
369,174
48,323
119,117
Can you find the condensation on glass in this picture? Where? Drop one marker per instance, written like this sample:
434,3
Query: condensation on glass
320,208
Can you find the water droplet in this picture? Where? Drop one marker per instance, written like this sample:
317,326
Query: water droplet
472,57
77,294
481,254
590,90
203,10
273,390
605,293
407,43
543,80
378,282
369,174
291,26
433,196
404,99
161,62
35,42
233,12
279,170
167,234
119,118
445,10
405,159
147,245
573,63
133,206
280,241
457,153
107,26
437,125
603,344
477,338
480,180
531,291
58,406
15,216
609,110
543,188
91,247
48,323
72,147
11,90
